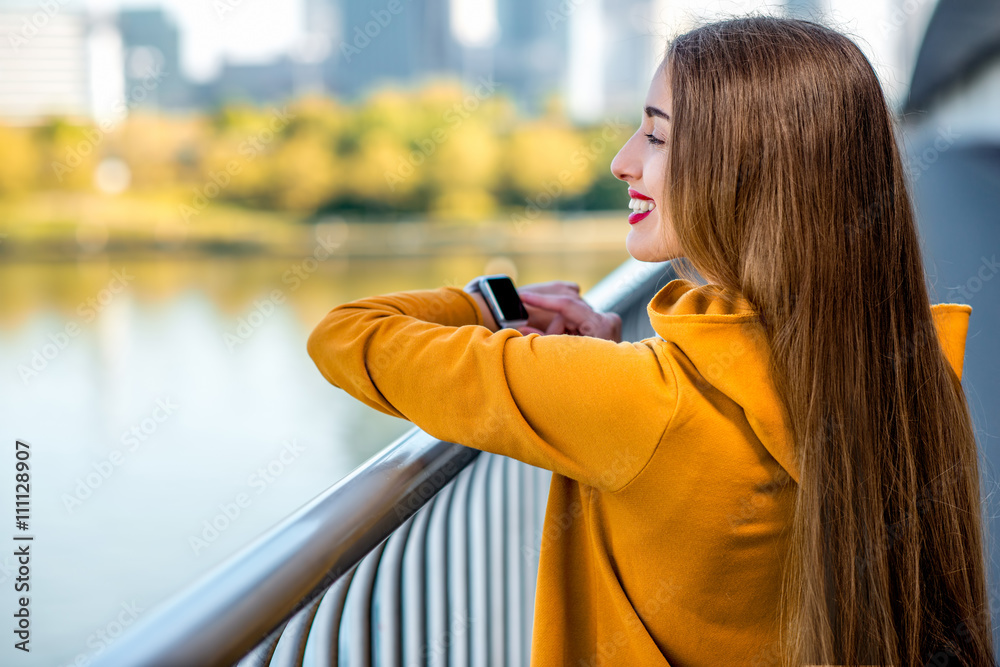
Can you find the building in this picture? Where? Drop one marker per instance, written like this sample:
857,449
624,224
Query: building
54,62
369,44
151,43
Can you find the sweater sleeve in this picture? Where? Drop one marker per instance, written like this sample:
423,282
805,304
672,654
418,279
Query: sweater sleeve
586,408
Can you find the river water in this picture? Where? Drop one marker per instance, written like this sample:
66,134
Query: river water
155,395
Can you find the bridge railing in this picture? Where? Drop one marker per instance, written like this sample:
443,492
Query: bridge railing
426,554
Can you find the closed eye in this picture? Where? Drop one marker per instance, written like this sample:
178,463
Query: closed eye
653,140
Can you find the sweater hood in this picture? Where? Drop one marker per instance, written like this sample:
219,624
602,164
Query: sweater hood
720,334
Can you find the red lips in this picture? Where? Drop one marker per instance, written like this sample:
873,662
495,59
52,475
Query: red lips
636,217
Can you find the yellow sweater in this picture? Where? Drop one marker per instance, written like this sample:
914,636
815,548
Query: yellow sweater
674,473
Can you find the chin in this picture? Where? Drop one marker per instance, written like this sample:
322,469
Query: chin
640,250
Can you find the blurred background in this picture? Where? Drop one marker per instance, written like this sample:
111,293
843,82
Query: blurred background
187,187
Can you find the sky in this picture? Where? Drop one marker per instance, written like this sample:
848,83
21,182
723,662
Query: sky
237,30
260,30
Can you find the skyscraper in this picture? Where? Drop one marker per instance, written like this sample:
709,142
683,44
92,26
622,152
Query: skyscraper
532,53
375,41
44,64
151,45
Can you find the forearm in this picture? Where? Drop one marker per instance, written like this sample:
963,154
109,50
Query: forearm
362,336
540,399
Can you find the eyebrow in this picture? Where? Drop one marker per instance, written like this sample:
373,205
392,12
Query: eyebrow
653,111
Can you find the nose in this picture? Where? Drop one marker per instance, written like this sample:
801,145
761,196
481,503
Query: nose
625,166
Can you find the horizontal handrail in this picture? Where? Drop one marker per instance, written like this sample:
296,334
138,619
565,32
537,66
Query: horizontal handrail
220,617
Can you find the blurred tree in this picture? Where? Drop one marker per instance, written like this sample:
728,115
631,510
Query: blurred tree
151,145
318,115
605,192
390,111
382,169
245,176
464,170
468,155
302,173
543,157
68,153
463,204
438,150
19,161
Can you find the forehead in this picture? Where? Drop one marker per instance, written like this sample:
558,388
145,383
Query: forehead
658,94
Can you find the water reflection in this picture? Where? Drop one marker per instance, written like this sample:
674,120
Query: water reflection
163,436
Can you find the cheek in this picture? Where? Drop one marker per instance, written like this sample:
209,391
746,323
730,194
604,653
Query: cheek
654,174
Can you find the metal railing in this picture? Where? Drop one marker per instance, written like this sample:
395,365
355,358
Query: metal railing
415,558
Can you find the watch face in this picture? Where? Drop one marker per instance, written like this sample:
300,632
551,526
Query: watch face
503,290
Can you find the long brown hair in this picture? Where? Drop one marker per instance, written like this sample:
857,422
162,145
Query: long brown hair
785,184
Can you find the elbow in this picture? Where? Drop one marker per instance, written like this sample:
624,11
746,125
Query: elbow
316,343
329,345
320,350
338,345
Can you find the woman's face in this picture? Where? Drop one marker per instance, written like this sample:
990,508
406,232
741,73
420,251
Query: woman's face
642,163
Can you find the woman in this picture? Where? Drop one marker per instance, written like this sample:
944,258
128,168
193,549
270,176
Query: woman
788,473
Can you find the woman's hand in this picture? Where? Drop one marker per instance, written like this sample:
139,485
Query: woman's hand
538,318
555,307
567,313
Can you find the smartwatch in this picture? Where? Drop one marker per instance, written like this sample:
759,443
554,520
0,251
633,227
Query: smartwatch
501,297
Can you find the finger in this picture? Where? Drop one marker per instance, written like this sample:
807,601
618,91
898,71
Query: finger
567,288
538,314
557,285
574,309
557,325
604,325
529,330
561,287
538,318
551,287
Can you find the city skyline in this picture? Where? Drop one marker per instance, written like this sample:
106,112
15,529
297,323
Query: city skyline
217,31
79,58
